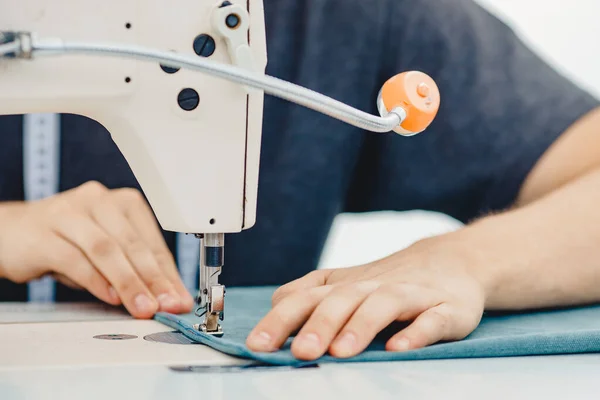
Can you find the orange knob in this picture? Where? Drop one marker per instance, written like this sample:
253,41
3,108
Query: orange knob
415,93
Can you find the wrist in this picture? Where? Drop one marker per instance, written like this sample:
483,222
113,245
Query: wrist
497,252
466,251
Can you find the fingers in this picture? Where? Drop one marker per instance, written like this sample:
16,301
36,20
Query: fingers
328,318
144,223
115,224
430,327
74,269
342,319
106,255
287,316
309,281
384,306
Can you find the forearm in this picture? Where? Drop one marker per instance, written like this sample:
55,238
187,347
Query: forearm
546,253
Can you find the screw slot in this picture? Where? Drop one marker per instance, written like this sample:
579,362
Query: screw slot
204,45
212,221
188,99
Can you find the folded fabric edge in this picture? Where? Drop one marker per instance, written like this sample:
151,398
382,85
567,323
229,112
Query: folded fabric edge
223,345
517,346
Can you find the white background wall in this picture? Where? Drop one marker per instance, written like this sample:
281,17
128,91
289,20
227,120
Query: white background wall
565,34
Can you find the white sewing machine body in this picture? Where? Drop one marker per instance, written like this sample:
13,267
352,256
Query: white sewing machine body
198,168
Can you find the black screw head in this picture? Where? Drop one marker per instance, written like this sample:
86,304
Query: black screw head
188,99
204,45
168,70
232,21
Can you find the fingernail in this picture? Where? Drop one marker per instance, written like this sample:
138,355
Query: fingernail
345,344
113,294
401,344
309,341
144,304
167,302
261,340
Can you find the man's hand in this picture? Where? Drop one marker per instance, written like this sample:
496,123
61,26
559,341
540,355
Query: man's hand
105,241
542,253
341,311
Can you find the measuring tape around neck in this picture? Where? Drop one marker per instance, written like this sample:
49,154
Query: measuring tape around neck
41,163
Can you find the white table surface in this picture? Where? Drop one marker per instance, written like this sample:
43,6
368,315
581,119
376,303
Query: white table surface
49,353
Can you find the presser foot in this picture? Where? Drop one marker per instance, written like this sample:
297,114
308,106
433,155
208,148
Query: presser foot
211,326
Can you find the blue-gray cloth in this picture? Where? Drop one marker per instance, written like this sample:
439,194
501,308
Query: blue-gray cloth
564,331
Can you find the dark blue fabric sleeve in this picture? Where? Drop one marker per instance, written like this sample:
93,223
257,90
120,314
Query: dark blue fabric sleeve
502,107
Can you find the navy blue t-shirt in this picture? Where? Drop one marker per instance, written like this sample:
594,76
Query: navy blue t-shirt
502,107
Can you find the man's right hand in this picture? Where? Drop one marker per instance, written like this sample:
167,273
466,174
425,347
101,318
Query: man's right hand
104,241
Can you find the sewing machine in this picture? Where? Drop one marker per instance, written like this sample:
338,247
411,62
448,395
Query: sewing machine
192,139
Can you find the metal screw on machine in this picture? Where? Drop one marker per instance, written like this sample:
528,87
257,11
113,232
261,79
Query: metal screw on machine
204,45
169,70
232,21
188,99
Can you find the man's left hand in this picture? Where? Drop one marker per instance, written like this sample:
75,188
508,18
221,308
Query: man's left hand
341,311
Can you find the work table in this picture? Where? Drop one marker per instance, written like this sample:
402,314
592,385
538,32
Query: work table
75,351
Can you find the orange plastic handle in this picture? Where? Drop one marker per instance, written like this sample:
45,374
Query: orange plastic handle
417,94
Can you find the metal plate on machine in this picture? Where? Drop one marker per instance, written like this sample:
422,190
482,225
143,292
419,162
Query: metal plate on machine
169,338
115,336
207,369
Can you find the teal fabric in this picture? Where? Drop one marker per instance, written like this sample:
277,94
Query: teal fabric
564,331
